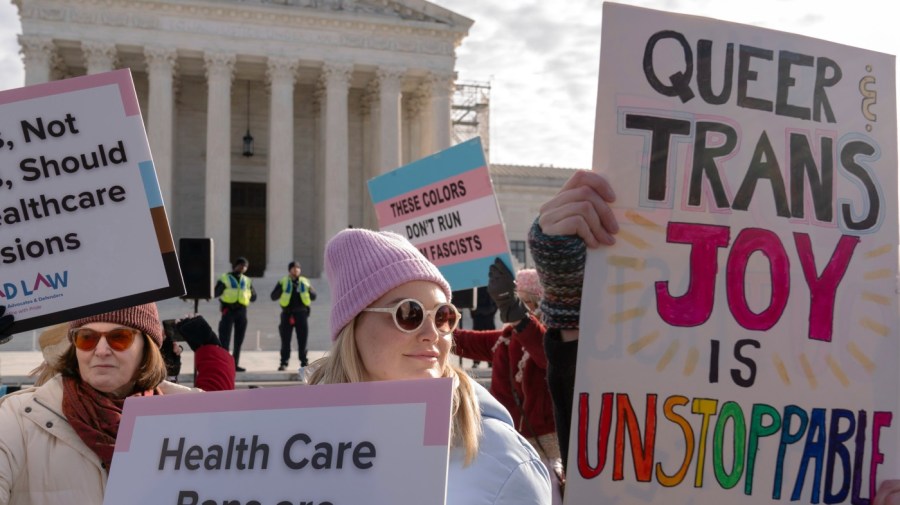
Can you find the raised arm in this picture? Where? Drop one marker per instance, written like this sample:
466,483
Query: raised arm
577,218
212,362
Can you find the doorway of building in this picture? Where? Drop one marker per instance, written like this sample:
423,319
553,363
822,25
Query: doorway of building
248,225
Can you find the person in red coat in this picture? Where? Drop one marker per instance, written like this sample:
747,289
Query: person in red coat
519,365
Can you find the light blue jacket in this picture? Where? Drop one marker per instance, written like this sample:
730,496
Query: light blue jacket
506,471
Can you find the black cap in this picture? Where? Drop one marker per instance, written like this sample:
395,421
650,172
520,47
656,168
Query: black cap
240,260
293,264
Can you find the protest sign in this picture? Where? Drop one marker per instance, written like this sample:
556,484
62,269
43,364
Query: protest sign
445,205
337,444
739,342
83,229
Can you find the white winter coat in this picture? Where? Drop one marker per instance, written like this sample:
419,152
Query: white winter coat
42,459
506,470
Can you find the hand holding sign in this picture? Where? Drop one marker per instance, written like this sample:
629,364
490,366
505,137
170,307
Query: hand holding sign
582,208
888,493
502,289
197,332
578,215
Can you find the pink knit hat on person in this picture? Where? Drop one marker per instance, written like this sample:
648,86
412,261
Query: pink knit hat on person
528,285
141,317
363,265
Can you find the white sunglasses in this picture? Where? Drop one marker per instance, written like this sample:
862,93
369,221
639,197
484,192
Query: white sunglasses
409,315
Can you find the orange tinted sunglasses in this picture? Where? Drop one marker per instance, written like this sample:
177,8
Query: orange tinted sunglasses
118,339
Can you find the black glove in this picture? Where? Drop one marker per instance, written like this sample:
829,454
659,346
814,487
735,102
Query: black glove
502,288
172,359
196,332
6,322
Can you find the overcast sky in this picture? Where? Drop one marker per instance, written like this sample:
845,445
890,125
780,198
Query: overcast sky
541,59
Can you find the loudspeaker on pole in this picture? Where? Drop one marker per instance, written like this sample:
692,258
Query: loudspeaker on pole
196,258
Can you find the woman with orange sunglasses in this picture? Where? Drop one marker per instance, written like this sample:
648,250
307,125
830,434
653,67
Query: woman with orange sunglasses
57,440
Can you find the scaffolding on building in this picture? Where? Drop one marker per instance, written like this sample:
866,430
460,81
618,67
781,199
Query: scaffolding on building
471,113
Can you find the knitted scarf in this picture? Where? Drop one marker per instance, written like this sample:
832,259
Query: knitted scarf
95,416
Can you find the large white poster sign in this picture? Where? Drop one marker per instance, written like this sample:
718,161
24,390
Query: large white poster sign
342,444
83,229
739,343
445,205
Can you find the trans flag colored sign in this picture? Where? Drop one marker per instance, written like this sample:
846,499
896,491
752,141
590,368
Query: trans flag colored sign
445,205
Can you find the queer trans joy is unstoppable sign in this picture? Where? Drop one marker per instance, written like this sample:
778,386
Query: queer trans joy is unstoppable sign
83,229
739,343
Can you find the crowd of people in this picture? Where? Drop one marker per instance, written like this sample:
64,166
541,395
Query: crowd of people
391,319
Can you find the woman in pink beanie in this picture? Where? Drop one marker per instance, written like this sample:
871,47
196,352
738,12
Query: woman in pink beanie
391,320
57,440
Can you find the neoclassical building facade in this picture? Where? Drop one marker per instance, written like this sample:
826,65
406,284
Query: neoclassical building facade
332,92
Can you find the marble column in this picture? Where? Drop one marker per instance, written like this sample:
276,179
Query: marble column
219,73
336,77
99,56
389,90
38,54
281,73
422,127
369,110
439,104
161,63
319,176
417,116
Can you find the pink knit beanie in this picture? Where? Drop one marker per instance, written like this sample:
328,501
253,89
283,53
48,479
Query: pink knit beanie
528,285
141,317
363,265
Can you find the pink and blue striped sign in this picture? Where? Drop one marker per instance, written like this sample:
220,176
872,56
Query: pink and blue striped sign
445,205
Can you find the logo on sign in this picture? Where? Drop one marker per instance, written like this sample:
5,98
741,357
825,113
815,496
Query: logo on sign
48,284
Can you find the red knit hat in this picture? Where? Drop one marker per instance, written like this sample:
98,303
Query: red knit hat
141,317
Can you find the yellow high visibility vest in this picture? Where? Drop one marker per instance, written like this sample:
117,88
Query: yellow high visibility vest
236,291
302,288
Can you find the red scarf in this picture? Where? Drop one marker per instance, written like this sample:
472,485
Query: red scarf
95,416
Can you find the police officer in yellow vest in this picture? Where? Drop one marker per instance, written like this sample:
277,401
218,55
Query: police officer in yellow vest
235,292
294,293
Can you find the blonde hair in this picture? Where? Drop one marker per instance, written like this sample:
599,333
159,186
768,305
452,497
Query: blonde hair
343,365
54,342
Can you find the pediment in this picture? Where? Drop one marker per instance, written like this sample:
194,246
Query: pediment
403,10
